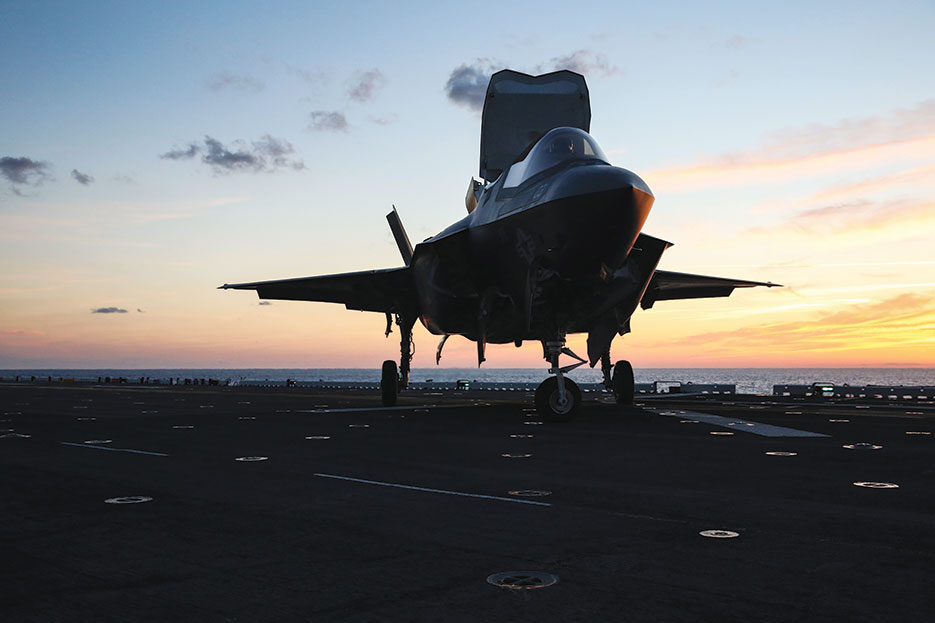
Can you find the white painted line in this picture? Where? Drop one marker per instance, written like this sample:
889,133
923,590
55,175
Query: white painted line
81,445
764,430
367,409
428,490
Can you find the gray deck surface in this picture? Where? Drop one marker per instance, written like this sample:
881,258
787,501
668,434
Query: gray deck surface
227,540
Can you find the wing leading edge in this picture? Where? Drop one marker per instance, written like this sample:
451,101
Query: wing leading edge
667,286
383,290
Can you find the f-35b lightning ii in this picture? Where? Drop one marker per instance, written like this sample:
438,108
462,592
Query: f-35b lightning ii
551,246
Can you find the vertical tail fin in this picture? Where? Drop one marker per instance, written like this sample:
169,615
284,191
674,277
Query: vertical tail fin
399,232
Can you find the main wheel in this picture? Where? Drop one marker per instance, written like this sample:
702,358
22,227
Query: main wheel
549,403
622,381
389,383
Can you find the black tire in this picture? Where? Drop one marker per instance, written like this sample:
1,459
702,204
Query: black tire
547,403
622,381
389,383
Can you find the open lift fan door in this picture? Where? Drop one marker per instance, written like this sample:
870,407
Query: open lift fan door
520,108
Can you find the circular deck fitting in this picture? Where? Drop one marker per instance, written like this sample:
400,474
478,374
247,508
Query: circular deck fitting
96,442
251,459
719,534
918,432
521,436
508,455
183,426
130,499
862,446
838,421
530,493
689,421
86,419
720,432
532,423
358,425
522,580
319,437
877,485
782,453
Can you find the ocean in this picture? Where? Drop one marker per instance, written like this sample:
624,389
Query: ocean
747,380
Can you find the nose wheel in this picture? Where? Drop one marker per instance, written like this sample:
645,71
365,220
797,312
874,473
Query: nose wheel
558,397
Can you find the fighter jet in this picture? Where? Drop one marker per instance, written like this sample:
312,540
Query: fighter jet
551,246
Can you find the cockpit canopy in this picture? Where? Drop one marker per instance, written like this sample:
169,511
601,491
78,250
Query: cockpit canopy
557,146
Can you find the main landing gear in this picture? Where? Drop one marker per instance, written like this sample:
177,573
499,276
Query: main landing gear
558,397
618,379
393,380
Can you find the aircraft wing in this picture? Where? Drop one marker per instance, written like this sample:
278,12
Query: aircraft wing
370,290
667,286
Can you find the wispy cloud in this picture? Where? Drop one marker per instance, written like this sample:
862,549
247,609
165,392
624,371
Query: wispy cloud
879,220
238,82
906,319
24,171
264,155
904,135
108,310
82,178
467,84
365,84
586,62
327,121
22,332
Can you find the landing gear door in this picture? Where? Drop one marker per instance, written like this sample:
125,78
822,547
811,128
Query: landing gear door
520,108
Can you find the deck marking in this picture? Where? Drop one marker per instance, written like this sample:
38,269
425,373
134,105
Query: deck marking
765,430
81,445
428,490
367,409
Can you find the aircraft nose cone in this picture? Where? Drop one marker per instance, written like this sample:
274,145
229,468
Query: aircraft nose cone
605,207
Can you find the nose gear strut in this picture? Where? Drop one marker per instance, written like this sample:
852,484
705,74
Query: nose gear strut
557,398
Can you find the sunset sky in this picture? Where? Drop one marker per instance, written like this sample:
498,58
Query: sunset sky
152,152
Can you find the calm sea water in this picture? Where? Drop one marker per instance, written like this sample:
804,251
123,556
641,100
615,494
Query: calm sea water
747,380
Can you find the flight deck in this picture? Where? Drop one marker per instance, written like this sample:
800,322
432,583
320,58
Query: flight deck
217,503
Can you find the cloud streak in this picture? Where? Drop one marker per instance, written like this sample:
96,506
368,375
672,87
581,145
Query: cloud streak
365,85
903,135
108,310
23,171
327,121
82,178
586,62
906,321
267,154
238,82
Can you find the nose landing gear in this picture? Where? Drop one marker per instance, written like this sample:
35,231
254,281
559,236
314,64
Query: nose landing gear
558,398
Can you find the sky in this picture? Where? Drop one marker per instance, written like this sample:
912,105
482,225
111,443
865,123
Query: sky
150,152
